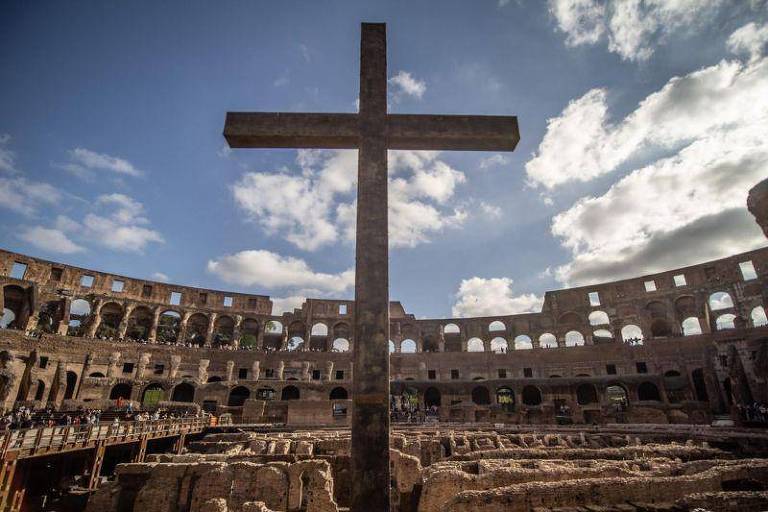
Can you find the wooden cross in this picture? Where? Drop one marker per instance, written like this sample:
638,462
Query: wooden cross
372,132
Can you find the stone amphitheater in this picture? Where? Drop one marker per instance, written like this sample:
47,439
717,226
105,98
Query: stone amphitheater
635,395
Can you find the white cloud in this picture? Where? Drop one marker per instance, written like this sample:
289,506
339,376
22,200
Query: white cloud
749,39
83,162
582,144
159,276
26,197
267,269
120,224
494,160
282,305
405,84
490,211
478,296
51,240
316,207
632,28
7,157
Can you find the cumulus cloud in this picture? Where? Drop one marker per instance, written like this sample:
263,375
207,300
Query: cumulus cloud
25,197
494,160
7,157
316,207
119,223
405,84
50,240
582,143
632,28
282,305
478,296
267,269
749,39
159,276
84,163
490,211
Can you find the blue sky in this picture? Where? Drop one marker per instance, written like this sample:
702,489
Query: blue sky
642,125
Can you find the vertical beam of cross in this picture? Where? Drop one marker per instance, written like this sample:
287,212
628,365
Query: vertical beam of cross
370,388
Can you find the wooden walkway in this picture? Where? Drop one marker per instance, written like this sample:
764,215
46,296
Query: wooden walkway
43,441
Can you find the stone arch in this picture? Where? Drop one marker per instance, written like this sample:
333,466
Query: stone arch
15,307
290,393
338,393
223,330
49,316
547,340
432,397
497,326
691,326
569,319
725,321
297,333
574,339
340,345
273,335
616,394
169,326
408,346
661,328
265,393
197,329
632,334
79,317
430,344
599,318
214,378
656,309
452,337
475,345
249,333
295,343
648,391
122,390
183,392
97,375
602,336
139,323
674,386
499,345
237,396
505,397
758,317
685,306
586,394
481,395
531,395
720,300
451,329
111,315
523,342
318,337
152,395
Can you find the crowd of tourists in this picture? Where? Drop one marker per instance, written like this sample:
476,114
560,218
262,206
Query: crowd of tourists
756,412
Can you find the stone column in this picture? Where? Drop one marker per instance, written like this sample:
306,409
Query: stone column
280,370
202,370
305,373
284,341
260,338
114,362
152,336
183,328
142,366
230,370
236,331
63,326
329,370
123,328
256,370
175,364
211,326
95,320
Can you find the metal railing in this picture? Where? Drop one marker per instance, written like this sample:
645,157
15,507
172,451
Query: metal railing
59,438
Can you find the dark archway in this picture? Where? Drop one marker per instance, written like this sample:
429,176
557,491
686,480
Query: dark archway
338,393
290,393
238,396
183,392
214,378
40,392
660,328
481,396
586,394
700,385
432,397
120,391
69,392
648,391
531,395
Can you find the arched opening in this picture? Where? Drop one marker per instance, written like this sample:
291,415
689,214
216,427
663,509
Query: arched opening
451,329
48,317
700,385
497,326
586,394
570,319
213,378
598,318
632,334
523,342
475,345
726,321
295,343
318,337
337,393
79,317
183,392
97,375
342,330
720,300
111,315
340,345
40,391
197,329
432,397
759,317
238,396
602,336
249,333
481,396
273,336
505,397
547,340
691,326
531,396
152,395
290,393
265,394
297,333
120,391
574,339
660,328
648,391
452,337
430,344
675,386
499,345
14,307
223,331
139,323
168,327
617,397
69,391
408,347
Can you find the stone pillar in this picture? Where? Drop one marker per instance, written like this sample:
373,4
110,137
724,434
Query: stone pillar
63,326
230,370
757,202
236,332
175,364
202,370
211,326
305,373
142,366
123,328
114,362
152,336
284,340
183,328
329,370
260,338
441,341
256,370
95,320
280,370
